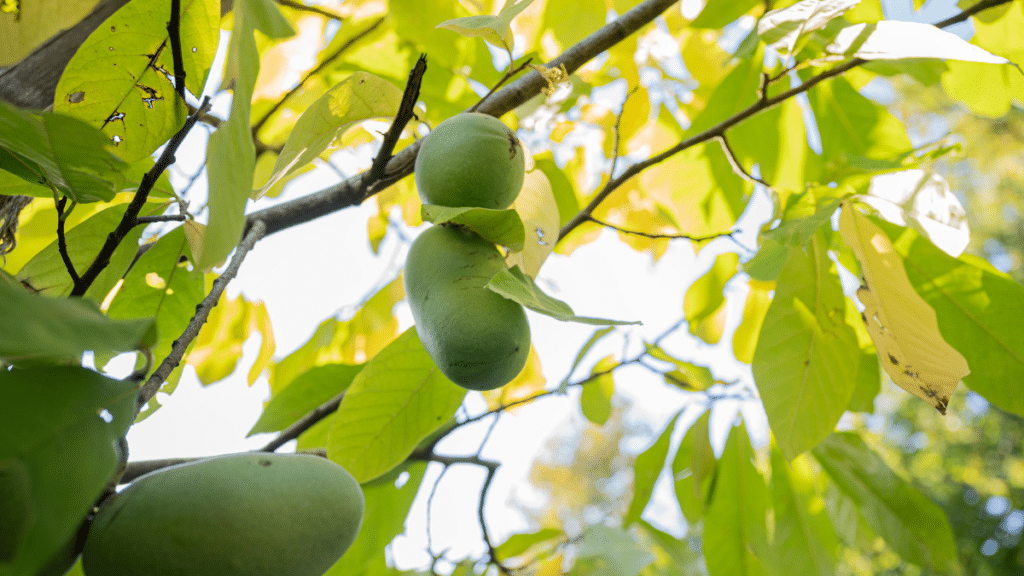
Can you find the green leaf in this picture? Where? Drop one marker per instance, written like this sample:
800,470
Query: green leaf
36,327
596,396
494,30
895,40
518,287
561,187
704,303
162,287
646,469
309,390
396,401
570,23
735,528
611,552
693,469
520,543
502,227
851,125
744,339
803,532
60,428
594,339
115,83
58,151
47,274
977,307
687,375
718,13
768,262
361,96
913,526
387,505
230,153
805,363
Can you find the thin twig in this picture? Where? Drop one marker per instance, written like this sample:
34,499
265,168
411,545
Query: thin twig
323,64
734,162
660,236
491,550
508,75
164,218
62,244
406,111
305,423
150,388
616,131
131,214
174,33
313,9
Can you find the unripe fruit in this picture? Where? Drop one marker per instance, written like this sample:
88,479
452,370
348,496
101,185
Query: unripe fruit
470,160
238,515
479,339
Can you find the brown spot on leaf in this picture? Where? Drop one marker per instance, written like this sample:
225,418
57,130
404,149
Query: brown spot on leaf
76,97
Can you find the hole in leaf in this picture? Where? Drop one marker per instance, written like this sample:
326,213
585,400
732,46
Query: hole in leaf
76,97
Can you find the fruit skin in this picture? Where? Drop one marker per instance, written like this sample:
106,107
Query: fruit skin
479,339
238,515
473,160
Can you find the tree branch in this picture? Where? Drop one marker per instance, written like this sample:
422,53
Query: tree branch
305,423
62,243
350,192
661,236
174,33
128,221
311,9
150,388
406,111
717,131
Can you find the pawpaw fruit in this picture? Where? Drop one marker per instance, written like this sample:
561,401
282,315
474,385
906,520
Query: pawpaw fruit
470,160
238,515
479,339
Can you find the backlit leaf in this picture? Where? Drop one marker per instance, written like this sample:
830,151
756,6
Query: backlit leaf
894,40
398,398
518,287
596,396
693,469
309,390
902,325
538,209
501,227
646,469
704,303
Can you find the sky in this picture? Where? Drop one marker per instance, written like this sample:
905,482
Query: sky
324,268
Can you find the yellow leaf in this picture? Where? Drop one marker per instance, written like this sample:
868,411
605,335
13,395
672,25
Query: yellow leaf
902,325
538,210
218,347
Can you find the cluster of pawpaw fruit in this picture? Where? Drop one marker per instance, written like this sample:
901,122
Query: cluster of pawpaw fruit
236,515
479,339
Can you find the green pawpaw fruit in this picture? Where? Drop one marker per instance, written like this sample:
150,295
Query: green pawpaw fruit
479,339
237,515
470,160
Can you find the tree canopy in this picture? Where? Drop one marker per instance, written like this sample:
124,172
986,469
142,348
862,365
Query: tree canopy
847,181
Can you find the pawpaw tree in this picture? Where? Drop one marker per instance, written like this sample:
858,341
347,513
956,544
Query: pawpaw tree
780,170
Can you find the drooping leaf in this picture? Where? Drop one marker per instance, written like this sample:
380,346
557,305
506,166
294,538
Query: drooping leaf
538,209
803,533
806,357
596,337
744,339
895,40
913,526
230,152
58,151
902,325
517,544
361,96
693,469
704,303
118,81
501,227
37,327
647,469
309,390
60,427
596,396
735,525
686,375
398,398
518,287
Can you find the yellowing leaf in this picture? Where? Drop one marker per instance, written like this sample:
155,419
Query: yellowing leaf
218,347
359,97
538,210
704,303
494,30
902,325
